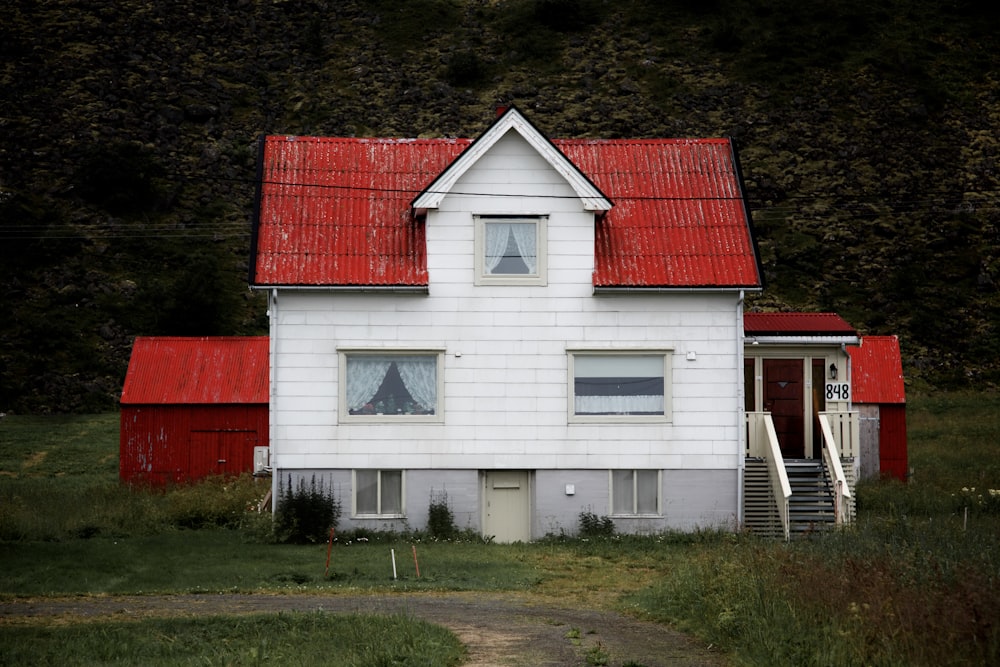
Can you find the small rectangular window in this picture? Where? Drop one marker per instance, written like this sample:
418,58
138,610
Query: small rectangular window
390,386
635,492
510,250
620,385
378,492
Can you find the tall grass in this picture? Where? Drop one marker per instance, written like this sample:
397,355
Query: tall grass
914,582
348,640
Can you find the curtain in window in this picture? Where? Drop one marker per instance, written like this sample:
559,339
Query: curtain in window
392,492
621,492
419,375
498,236
619,405
526,237
366,495
364,376
646,491
618,385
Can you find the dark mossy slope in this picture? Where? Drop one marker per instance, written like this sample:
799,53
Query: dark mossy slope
867,130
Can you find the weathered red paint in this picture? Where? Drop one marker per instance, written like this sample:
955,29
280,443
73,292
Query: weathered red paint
336,211
193,407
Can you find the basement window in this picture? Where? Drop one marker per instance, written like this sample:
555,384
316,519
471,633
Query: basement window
378,493
635,492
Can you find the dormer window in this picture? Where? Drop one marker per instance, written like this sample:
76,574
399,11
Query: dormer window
510,250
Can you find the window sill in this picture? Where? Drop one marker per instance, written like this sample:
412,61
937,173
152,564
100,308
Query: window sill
380,517
620,419
391,419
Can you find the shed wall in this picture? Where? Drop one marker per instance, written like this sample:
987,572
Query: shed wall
169,444
892,442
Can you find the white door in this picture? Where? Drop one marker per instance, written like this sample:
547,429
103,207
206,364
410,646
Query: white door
507,505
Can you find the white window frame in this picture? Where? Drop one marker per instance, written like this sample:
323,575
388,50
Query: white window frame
667,415
541,250
378,514
343,410
635,493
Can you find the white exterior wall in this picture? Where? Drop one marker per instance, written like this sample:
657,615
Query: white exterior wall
506,384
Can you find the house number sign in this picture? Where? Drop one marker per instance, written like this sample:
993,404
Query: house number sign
838,391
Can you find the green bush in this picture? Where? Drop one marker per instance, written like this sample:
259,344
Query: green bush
440,520
592,525
305,514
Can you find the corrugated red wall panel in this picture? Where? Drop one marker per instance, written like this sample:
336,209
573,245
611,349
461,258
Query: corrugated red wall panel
172,444
893,461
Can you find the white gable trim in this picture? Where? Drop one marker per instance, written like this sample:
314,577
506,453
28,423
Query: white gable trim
592,198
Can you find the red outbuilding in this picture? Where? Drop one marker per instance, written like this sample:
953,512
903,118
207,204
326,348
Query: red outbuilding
194,407
880,397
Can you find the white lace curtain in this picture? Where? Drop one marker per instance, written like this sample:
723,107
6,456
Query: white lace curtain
619,405
499,236
365,375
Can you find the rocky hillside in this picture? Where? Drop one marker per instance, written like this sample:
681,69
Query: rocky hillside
868,132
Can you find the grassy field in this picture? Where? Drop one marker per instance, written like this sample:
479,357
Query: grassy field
914,582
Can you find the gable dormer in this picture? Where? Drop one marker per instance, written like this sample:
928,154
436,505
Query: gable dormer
511,121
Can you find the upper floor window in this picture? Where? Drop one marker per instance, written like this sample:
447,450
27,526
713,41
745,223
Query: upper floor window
510,250
390,385
620,385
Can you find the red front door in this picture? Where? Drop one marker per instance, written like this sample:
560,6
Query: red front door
783,393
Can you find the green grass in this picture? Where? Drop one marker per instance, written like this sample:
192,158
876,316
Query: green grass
350,640
196,561
913,582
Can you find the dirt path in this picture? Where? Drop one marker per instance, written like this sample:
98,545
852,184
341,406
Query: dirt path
498,630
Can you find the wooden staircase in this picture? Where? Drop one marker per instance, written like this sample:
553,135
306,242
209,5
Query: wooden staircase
811,506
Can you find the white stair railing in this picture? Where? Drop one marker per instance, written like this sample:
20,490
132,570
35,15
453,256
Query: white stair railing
831,456
778,475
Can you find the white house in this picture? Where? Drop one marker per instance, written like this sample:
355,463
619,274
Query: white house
534,328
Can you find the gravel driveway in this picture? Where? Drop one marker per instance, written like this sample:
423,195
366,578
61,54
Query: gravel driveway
497,629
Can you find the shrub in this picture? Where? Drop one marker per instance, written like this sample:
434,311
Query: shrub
305,514
592,525
440,520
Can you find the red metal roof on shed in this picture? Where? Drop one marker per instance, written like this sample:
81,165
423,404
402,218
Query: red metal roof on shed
805,324
877,370
336,212
210,370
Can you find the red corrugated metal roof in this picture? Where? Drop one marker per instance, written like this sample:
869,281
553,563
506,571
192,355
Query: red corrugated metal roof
804,324
877,370
337,211
679,218
219,370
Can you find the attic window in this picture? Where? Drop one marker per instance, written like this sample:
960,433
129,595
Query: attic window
510,250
